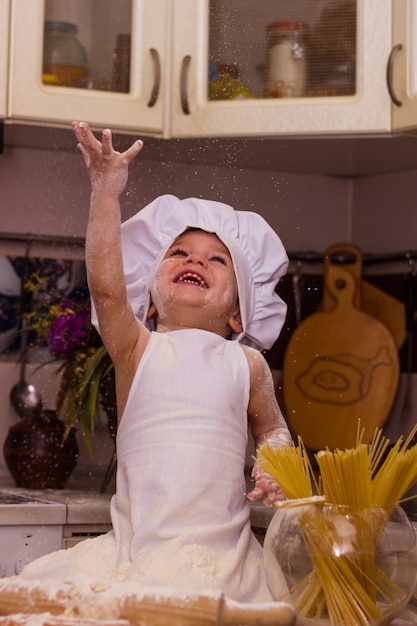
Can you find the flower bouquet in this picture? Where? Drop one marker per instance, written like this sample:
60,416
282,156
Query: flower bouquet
62,322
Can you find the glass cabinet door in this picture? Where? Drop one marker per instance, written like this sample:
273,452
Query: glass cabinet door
101,61
290,66
286,49
87,48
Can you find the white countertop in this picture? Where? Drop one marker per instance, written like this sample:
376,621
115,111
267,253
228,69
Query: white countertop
57,506
41,510
83,503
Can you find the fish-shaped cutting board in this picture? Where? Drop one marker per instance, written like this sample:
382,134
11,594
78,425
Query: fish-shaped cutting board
340,365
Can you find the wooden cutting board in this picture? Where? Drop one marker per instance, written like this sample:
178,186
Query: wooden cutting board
341,365
368,298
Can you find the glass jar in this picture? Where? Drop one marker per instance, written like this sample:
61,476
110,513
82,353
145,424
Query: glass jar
64,58
287,61
341,565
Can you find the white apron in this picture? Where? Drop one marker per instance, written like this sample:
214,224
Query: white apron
180,512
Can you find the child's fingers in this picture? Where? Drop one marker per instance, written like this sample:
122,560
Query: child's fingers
88,143
132,152
86,137
255,494
106,142
81,130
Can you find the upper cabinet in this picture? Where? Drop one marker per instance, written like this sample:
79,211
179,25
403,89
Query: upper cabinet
204,68
307,68
101,61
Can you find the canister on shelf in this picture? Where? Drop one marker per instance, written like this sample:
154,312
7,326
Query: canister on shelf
64,58
225,84
287,60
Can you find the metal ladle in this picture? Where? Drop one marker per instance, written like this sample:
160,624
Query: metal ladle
24,397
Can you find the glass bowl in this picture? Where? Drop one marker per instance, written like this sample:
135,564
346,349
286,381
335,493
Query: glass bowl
339,565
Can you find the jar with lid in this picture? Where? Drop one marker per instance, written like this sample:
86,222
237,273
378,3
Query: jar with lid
64,57
287,60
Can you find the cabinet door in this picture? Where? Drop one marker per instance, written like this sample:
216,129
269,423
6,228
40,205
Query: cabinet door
402,67
4,56
343,68
52,82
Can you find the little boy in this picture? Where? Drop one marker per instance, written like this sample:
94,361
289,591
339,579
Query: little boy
184,298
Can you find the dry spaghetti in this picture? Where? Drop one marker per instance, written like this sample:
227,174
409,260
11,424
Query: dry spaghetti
361,486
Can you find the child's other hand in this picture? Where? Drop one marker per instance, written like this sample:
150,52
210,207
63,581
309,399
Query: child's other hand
265,484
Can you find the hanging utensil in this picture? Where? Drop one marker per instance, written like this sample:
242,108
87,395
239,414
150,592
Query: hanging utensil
297,286
24,397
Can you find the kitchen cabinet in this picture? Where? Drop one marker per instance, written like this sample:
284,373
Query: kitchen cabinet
184,55
41,95
4,54
368,109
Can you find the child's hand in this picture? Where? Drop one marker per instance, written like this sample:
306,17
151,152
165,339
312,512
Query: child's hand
107,168
265,484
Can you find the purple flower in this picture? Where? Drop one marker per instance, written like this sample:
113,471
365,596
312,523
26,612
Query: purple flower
66,333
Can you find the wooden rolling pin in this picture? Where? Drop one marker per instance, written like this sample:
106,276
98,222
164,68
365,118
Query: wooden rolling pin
16,596
138,609
201,610
43,619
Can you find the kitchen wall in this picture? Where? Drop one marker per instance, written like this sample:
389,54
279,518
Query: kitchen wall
44,189
48,192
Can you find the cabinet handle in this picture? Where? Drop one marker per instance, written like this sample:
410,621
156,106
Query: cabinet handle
157,74
183,84
390,70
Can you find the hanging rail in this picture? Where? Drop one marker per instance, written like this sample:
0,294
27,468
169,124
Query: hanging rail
46,239
312,257
42,245
304,256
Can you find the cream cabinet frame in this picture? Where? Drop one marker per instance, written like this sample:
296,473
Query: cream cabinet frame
4,55
402,67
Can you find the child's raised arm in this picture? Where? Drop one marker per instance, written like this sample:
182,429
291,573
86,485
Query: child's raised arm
108,172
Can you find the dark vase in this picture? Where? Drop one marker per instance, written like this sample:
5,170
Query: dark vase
35,453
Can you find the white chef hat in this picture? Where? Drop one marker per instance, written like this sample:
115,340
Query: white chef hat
259,258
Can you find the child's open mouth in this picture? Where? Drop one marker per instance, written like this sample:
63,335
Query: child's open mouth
192,278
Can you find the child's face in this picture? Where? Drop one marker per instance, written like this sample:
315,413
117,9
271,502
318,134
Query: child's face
195,285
